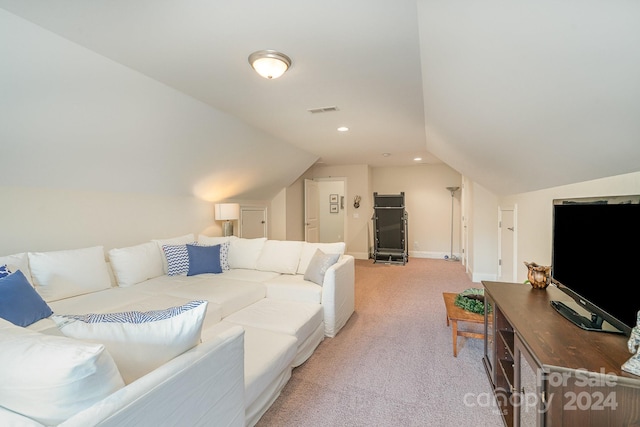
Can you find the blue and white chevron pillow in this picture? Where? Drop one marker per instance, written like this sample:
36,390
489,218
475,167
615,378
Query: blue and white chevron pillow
139,341
177,259
135,316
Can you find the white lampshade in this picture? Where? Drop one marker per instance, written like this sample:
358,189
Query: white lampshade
269,63
227,211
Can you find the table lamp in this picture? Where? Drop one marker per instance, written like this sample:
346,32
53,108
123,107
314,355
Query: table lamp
227,212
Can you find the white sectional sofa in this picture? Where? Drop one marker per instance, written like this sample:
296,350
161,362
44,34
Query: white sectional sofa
217,328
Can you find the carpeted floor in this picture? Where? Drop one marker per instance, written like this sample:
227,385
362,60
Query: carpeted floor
393,364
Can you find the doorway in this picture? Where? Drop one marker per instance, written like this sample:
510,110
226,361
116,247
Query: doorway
507,244
253,222
325,210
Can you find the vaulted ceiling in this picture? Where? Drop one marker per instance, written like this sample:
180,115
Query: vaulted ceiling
517,96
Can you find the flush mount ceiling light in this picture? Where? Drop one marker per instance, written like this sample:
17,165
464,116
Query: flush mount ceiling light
269,63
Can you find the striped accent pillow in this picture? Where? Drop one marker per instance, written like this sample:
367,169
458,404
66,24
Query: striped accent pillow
139,342
177,259
135,316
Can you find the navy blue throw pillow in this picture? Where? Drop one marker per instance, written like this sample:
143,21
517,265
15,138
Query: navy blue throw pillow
203,259
20,304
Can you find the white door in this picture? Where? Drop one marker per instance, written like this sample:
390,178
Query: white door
311,211
507,245
253,222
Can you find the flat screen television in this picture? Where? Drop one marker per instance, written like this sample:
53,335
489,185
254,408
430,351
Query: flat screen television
595,254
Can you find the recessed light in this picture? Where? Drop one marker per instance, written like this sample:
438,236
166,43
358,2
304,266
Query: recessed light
343,129
417,159
386,154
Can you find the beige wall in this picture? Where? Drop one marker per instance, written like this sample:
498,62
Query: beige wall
295,208
534,221
535,214
357,220
39,219
482,227
277,217
428,205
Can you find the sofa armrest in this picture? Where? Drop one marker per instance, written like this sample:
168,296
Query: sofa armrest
338,294
202,387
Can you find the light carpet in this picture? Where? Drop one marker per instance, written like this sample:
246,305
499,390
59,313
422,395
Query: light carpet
392,364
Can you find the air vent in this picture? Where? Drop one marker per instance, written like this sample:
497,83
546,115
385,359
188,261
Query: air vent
323,109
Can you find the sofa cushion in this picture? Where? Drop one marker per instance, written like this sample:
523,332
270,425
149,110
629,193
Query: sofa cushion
247,275
231,295
50,378
281,256
267,356
18,262
216,240
204,259
244,253
135,264
20,304
294,318
180,240
139,341
293,288
62,274
309,249
318,266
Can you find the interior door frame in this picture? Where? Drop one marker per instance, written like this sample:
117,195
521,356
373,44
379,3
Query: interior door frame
344,204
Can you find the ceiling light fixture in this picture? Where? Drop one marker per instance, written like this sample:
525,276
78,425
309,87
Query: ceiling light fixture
343,129
417,159
269,63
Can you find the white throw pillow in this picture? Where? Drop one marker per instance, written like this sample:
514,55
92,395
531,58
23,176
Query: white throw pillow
244,253
49,378
135,264
309,249
318,266
281,256
180,240
138,341
217,240
18,262
62,274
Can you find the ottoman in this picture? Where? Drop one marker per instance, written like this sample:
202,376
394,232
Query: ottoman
302,320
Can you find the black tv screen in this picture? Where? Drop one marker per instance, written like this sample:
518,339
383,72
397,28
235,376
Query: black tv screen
595,253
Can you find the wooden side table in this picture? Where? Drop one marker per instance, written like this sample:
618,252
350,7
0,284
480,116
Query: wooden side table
456,314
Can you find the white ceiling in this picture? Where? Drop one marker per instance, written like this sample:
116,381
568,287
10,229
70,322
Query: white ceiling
517,96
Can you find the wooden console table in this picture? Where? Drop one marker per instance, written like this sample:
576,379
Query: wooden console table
456,314
545,371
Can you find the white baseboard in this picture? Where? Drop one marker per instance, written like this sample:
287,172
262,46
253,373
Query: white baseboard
359,255
478,277
433,255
